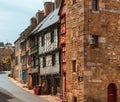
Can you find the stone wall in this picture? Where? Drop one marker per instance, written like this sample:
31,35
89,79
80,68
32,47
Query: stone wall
75,49
100,65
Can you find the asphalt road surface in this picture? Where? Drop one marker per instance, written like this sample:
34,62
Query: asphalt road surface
5,96
9,92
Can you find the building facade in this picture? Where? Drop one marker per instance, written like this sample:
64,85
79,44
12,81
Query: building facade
49,54
92,50
34,70
22,54
23,58
62,14
13,63
45,52
17,68
33,52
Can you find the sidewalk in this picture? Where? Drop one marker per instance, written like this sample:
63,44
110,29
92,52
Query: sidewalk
49,98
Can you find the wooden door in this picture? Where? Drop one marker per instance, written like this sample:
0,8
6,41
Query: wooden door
112,93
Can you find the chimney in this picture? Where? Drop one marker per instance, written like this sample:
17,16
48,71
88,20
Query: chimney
48,7
57,3
33,21
39,16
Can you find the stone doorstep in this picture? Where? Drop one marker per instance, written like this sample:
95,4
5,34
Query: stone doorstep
49,98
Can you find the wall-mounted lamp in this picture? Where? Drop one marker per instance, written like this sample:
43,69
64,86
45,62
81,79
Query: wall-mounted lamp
80,78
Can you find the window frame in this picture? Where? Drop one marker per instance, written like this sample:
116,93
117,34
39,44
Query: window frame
95,5
53,59
74,68
52,36
42,40
16,60
44,61
95,41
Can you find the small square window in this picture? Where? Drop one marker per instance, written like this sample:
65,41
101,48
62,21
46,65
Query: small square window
94,41
74,65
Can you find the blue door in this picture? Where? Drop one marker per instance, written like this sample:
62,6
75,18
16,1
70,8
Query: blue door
24,75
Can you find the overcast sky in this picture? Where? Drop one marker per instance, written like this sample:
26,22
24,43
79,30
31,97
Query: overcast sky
15,17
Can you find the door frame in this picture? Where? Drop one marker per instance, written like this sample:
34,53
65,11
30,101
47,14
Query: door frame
112,88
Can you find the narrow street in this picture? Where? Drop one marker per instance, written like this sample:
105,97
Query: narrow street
9,92
5,96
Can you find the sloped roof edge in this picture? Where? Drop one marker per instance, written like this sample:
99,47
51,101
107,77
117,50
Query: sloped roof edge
51,19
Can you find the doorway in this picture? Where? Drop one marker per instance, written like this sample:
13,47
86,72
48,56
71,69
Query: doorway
112,95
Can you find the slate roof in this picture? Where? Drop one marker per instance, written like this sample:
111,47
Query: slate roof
51,19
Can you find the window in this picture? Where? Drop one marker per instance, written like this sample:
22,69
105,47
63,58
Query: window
95,5
42,40
94,41
36,41
23,60
52,36
28,60
53,59
44,62
36,62
74,99
23,46
16,60
74,65
74,1
32,42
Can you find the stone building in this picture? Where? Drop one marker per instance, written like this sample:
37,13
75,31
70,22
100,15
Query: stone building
93,50
22,54
5,55
13,63
17,68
